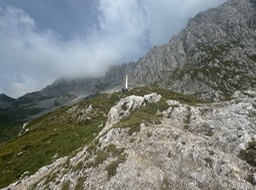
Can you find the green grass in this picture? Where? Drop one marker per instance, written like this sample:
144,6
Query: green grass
208,161
11,121
249,154
57,132
65,185
166,94
102,155
224,73
253,57
147,114
111,168
79,185
110,151
50,178
62,133
78,166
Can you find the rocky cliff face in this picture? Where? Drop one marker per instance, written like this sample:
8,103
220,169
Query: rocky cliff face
212,57
184,146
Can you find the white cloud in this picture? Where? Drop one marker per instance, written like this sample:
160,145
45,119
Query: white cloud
170,16
32,59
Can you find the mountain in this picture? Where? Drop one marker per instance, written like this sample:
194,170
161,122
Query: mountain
148,138
65,90
212,57
15,112
6,101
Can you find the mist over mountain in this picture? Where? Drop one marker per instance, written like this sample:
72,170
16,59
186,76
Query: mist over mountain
45,40
188,120
213,57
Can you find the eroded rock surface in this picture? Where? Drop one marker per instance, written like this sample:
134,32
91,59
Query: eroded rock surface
193,147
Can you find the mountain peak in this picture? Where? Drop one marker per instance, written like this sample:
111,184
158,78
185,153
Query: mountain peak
6,101
5,97
214,56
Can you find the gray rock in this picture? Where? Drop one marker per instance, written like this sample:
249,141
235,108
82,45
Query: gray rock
212,57
152,98
195,147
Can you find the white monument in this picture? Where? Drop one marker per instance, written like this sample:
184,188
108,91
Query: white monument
126,83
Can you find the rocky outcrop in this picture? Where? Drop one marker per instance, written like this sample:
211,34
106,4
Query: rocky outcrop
212,57
184,146
125,107
199,146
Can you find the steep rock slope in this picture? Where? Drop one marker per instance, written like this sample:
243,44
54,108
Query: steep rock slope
213,57
175,145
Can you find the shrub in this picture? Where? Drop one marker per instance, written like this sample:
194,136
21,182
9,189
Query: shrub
249,154
111,168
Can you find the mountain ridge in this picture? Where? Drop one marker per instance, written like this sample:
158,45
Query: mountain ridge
147,138
210,37
6,101
151,137
212,57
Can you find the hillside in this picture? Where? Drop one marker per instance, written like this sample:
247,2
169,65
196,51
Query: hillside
148,138
60,133
212,57
188,121
15,112
6,101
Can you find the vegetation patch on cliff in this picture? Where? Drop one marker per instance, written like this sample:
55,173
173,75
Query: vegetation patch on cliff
249,154
65,130
54,135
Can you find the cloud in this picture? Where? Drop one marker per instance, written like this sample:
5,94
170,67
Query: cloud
169,17
32,58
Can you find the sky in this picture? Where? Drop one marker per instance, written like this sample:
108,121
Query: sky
42,40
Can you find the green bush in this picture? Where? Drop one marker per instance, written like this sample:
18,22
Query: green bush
249,154
111,168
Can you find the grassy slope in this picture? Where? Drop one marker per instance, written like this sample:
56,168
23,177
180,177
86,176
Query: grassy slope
62,132
11,121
